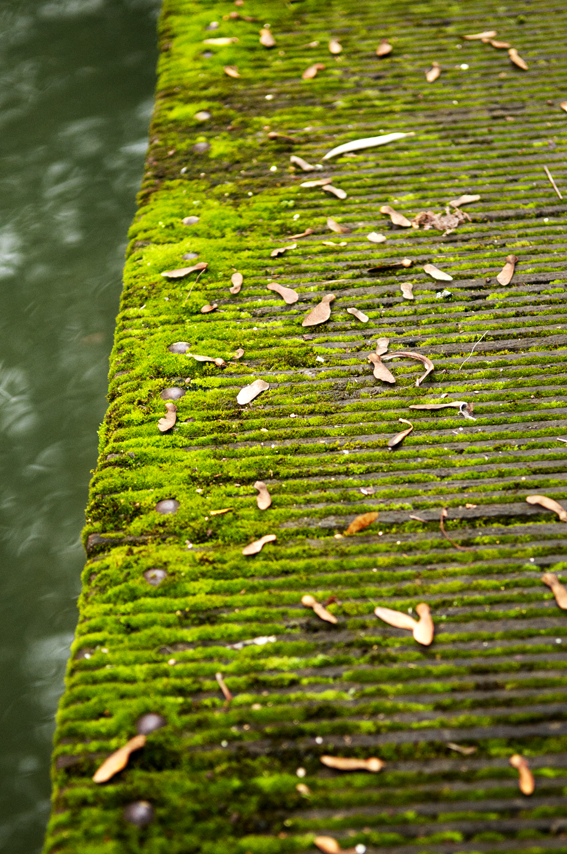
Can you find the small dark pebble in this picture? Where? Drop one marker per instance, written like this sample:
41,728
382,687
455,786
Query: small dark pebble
150,722
168,505
179,347
201,147
190,255
190,220
139,813
155,576
173,393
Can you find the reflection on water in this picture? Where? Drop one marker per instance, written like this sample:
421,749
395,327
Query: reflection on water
76,91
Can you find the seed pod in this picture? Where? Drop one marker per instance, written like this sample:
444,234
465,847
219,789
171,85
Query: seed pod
168,421
118,760
343,763
263,499
320,610
526,778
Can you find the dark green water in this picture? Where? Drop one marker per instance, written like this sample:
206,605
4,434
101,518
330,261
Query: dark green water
76,92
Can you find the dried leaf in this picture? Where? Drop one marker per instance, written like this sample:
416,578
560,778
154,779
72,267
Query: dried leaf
343,763
517,59
231,71
397,218
421,629
320,313
337,227
359,315
367,490
399,437
263,499
549,504
273,134
552,182
384,48
381,372
361,522
433,73
367,142
374,237
223,687
447,222
118,760
457,404
526,778
222,42
288,295
311,72
331,243
221,512
168,421
239,353
281,249
249,392
563,105
303,164
424,359
496,44
387,265
436,273
382,346
237,279
310,602
304,790
184,271
327,844
396,618
336,191
424,630
208,308
318,182
558,590
460,748
504,277
488,34
266,37
305,233
335,47
220,363
407,290
258,545
444,515
464,200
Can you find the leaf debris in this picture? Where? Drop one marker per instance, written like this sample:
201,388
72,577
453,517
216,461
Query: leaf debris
358,314
305,233
263,499
249,392
327,844
552,182
461,748
266,37
374,237
384,48
320,313
549,504
487,34
303,164
184,271
517,59
422,629
407,290
313,70
436,273
444,515
223,686
367,142
361,522
335,47
381,371
345,763
206,309
399,437
424,359
258,545
337,226
433,73
382,346
288,295
118,760
218,361
397,218
237,279
504,277
168,421
281,249
221,42
336,191
231,71
310,602
525,777
464,200
558,589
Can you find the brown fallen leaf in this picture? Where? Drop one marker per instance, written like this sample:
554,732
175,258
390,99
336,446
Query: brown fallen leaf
504,277
237,279
318,182
273,134
433,73
461,748
239,353
231,71
331,243
184,271
168,421
399,437
558,590
208,308
118,760
381,372
320,313
444,515
221,512
327,844
374,237
303,789
249,392
424,359
337,227
258,545
382,346
397,218
549,504
263,499
497,44
359,315
305,233
367,142
447,222
281,249
221,42
526,781
464,200
335,47
303,164
367,490
384,48
488,34
436,273
266,37
361,522
407,290
517,59
344,763
456,404
421,629
335,191
563,106
220,363
288,295
397,619
310,602
311,72
223,686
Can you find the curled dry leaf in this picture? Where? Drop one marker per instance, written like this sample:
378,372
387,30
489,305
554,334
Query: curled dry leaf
384,48
367,142
464,200
231,71
221,42
220,363
311,72
549,504
344,763
168,421
558,589
273,134
436,273
517,59
281,249
359,315
381,372
320,313
447,222
305,233
424,359
237,279
399,437
184,271
526,781
335,47
258,545
318,182
461,748
239,353
335,191
303,164
361,522
407,290
263,499
310,602
488,34
456,404
337,227
266,37
208,308
288,295
444,515
118,760
397,218
497,44
249,392
223,686
504,277
331,243
433,73
382,346
367,490
421,629
374,237
326,843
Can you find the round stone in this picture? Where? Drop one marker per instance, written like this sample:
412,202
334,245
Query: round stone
192,220
155,576
150,722
139,813
167,506
201,147
202,116
179,347
207,54
173,393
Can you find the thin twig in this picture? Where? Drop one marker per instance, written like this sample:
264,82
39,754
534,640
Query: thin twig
223,686
444,515
553,184
192,286
473,349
